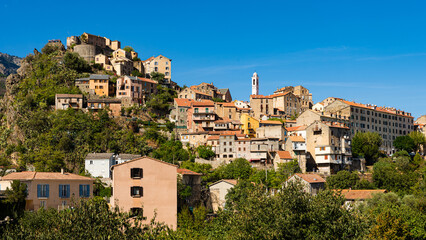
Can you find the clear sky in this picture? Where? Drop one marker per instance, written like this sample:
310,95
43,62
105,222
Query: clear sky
366,51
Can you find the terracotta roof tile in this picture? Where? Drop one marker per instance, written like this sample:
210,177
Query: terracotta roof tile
215,137
296,128
206,103
274,122
147,80
311,178
284,154
350,194
44,176
183,102
297,139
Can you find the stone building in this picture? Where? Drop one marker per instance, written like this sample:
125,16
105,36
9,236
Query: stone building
179,113
328,147
189,93
281,104
135,90
302,93
201,116
97,104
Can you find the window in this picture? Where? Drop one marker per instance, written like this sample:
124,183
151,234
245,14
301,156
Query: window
136,191
156,69
322,148
207,110
325,157
42,204
166,73
136,173
155,63
196,110
42,190
91,162
167,68
64,190
84,190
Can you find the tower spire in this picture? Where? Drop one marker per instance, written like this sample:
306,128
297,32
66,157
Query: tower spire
255,84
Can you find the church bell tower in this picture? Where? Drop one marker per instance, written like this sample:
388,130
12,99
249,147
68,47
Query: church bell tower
255,84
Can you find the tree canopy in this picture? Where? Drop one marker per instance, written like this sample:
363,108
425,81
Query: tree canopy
367,145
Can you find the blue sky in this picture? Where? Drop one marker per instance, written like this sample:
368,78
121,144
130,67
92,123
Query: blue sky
366,51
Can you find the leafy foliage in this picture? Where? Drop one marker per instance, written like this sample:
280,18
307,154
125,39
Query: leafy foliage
205,152
366,145
15,196
75,62
405,143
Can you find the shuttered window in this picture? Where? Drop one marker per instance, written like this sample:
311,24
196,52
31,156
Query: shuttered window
42,190
136,172
136,191
64,190
84,190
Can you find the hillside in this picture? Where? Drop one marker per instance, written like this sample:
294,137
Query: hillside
34,135
8,65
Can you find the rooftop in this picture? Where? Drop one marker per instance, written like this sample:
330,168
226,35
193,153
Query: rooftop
95,156
310,177
350,194
183,102
44,176
284,154
184,171
99,77
297,139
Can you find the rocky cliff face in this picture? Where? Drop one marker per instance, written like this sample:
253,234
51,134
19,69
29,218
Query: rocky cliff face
9,64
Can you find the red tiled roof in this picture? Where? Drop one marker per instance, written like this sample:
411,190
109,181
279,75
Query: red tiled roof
259,96
206,103
271,122
279,94
310,178
290,121
27,175
141,158
215,137
350,194
183,102
284,154
297,139
184,171
379,109
149,59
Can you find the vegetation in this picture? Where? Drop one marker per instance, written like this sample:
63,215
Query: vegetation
344,180
15,197
405,143
128,49
216,99
419,140
367,145
205,152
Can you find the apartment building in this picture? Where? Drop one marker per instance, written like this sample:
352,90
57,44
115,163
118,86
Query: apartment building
56,190
83,85
213,92
388,122
296,146
65,101
122,66
101,85
249,125
328,147
201,116
159,64
271,129
310,116
146,186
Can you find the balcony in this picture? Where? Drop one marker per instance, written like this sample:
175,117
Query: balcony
220,127
299,147
203,117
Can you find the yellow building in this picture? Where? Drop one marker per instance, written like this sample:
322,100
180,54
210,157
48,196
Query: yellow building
249,125
100,85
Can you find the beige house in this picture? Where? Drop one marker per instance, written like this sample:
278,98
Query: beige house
278,105
194,139
52,189
120,53
65,101
102,59
159,64
296,145
84,85
218,191
312,183
122,66
135,90
146,186
282,157
112,104
271,129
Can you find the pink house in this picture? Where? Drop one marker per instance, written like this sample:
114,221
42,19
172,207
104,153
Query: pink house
146,186
52,189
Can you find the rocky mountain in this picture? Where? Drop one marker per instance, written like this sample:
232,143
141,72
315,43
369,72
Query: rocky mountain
9,64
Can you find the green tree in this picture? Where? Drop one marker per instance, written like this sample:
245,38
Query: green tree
136,73
366,145
404,143
75,62
343,180
15,196
205,152
419,139
239,168
128,49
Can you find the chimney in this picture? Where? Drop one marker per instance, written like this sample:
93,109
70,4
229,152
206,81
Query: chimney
62,171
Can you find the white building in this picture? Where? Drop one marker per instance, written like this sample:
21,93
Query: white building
99,164
255,84
218,192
